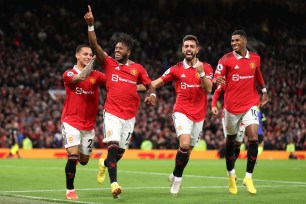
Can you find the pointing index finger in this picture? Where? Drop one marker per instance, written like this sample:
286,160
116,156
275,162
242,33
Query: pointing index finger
89,8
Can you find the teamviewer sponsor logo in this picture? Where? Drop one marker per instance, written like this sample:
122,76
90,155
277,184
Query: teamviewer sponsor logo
235,77
115,77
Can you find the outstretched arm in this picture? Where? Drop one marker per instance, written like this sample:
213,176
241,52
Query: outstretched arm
100,54
151,99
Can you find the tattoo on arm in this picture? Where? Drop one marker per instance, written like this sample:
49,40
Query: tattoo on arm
87,70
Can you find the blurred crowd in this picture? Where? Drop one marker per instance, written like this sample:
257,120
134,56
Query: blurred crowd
38,41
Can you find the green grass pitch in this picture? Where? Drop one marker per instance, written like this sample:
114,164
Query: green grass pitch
145,181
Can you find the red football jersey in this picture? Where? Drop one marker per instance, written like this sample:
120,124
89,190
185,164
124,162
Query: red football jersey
122,99
240,73
81,102
191,98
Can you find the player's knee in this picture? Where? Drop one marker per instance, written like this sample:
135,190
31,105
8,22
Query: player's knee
231,138
113,144
121,151
238,144
83,162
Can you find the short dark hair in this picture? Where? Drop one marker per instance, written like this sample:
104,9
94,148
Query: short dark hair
125,39
240,32
191,37
79,47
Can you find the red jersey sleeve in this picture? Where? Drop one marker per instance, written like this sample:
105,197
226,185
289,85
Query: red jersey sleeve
258,77
101,78
168,75
216,96
68,76
221,69
143,76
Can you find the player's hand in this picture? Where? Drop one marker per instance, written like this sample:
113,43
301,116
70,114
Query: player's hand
150,100
214,110
220,80
89,18
264,99
200,67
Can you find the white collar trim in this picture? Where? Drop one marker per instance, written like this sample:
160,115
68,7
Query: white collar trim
240,57
76,69
186,66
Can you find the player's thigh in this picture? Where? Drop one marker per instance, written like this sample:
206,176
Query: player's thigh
182,124
232,122
87,141
126,133
223,126
71,136
240,133
250,120
112,127
251,116
196,133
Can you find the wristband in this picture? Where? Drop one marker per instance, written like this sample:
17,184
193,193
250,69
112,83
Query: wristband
202,74
264,90
153,94
91,28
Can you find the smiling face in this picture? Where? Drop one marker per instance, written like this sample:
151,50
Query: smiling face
83,56
190,49
122,52
238,43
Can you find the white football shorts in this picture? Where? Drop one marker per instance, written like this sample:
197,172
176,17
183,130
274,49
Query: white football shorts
117,129
82,138
240,133
183,125
233,122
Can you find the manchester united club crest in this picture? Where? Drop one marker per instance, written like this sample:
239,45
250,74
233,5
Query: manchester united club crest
133,71
92,80
197,74
252,65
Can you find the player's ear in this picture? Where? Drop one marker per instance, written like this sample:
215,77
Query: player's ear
197,50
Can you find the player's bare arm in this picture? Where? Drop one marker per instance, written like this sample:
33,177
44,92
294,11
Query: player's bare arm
158,83
89,18
85,72
206,83
151,99
220,80
141,87
264,98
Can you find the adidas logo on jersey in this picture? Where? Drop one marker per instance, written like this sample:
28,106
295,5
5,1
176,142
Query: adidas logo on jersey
183,75
236,67
117,68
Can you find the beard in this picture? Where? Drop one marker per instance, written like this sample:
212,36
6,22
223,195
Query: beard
123,59
190,57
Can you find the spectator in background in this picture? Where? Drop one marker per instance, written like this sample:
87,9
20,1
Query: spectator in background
27,143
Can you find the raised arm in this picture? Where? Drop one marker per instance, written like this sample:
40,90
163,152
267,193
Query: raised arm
100,54
85,72
205,82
